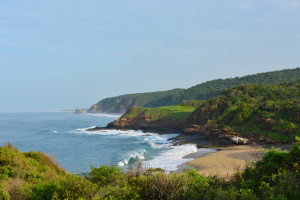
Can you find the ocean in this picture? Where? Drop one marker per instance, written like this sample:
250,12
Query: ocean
64,135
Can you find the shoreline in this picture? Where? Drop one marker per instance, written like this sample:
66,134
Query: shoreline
225,161
199,154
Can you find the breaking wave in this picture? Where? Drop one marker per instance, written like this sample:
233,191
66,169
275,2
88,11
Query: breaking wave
158,151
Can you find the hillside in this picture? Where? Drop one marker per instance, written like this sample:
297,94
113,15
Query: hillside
201,91
120,104
262,114
161,119
271,111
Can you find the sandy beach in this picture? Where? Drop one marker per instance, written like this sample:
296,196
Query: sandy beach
224,162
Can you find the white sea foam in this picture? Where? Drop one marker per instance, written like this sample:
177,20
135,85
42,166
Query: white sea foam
155,138
104,115
171,158
132,156
168,159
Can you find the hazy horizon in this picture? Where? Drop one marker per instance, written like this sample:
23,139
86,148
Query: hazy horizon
58,55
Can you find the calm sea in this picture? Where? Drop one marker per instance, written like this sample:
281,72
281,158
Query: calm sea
64,135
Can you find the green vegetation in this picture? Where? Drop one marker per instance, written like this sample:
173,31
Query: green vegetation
34,175
121,103
174,113
273,111
201,91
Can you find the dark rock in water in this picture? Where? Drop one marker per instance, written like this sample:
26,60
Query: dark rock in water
97,128
78,111
147,135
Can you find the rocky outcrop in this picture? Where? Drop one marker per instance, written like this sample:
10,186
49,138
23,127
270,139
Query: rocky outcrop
144,123
239,140
78,111
196,128
223,136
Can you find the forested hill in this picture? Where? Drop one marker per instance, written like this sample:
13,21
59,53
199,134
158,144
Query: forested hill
201,91
121,103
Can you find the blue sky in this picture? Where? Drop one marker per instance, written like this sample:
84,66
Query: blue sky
64,54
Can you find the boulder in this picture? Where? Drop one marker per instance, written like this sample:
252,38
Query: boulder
239,140
234,140
243,141
78,111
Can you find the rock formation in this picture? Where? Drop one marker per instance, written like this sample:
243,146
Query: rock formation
78,111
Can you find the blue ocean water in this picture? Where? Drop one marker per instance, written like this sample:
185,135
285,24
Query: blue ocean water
64,135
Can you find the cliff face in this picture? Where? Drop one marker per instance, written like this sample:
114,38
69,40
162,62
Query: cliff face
156,119
144,122
184,118
194,127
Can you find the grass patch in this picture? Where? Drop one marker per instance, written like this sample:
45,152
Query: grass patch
174,113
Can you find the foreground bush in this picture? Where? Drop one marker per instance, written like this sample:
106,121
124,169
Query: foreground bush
34,175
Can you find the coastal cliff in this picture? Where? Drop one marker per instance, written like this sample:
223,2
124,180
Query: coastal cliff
239,115
162,119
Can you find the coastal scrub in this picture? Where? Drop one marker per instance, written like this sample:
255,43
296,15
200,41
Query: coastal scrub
33,175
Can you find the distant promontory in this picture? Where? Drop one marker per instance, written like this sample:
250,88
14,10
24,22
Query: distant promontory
78,111
203,91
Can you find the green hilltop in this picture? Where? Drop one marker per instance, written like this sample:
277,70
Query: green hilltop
272,111
121,103
202,91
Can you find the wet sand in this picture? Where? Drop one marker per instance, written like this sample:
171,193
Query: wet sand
200,153
224,162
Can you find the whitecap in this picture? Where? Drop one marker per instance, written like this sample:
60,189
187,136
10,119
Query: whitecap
104,115
171,158
132,156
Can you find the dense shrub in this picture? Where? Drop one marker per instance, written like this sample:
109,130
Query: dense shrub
70,187
105,175
241,108
276,176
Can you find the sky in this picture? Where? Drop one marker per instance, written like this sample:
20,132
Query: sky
67,54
